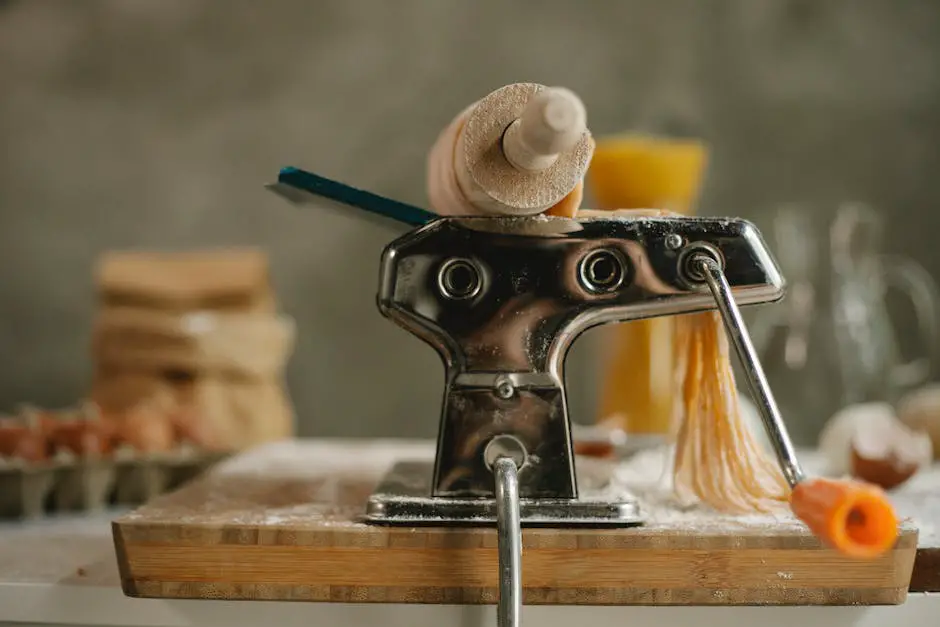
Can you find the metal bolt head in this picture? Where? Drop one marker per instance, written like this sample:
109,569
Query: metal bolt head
673,241
505,388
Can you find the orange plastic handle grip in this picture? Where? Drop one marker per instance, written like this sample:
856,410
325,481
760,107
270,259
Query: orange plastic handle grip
852,517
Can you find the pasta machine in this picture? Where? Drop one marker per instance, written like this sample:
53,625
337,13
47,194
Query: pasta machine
501,299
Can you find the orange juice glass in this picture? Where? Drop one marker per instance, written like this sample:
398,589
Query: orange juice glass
643,172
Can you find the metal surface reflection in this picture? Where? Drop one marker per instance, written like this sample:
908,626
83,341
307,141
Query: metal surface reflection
502,300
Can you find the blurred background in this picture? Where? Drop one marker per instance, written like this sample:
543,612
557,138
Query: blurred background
155,124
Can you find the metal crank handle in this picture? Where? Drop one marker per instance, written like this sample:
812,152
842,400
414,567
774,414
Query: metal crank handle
714,277
855,518
509,542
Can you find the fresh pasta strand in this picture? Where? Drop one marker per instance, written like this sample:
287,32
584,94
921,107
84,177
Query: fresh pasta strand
718,461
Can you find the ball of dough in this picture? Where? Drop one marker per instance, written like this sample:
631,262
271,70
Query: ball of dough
920,411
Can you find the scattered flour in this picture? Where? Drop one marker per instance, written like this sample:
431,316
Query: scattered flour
298,483
300,458
648,476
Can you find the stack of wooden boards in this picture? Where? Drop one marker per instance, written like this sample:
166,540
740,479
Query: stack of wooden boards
200,328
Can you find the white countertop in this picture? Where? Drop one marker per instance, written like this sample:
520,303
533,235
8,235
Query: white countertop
63,571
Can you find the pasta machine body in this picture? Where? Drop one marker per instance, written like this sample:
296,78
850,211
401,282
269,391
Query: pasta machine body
501,300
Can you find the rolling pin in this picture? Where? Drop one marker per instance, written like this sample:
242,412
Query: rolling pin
522,150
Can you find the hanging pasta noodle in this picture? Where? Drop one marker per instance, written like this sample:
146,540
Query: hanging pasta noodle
718,460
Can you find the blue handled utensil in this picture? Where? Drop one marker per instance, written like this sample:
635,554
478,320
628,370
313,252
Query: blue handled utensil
302,187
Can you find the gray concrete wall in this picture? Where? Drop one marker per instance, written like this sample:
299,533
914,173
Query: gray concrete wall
133,123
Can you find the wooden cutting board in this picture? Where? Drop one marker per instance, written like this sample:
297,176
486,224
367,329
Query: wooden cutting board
921,500
281,523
